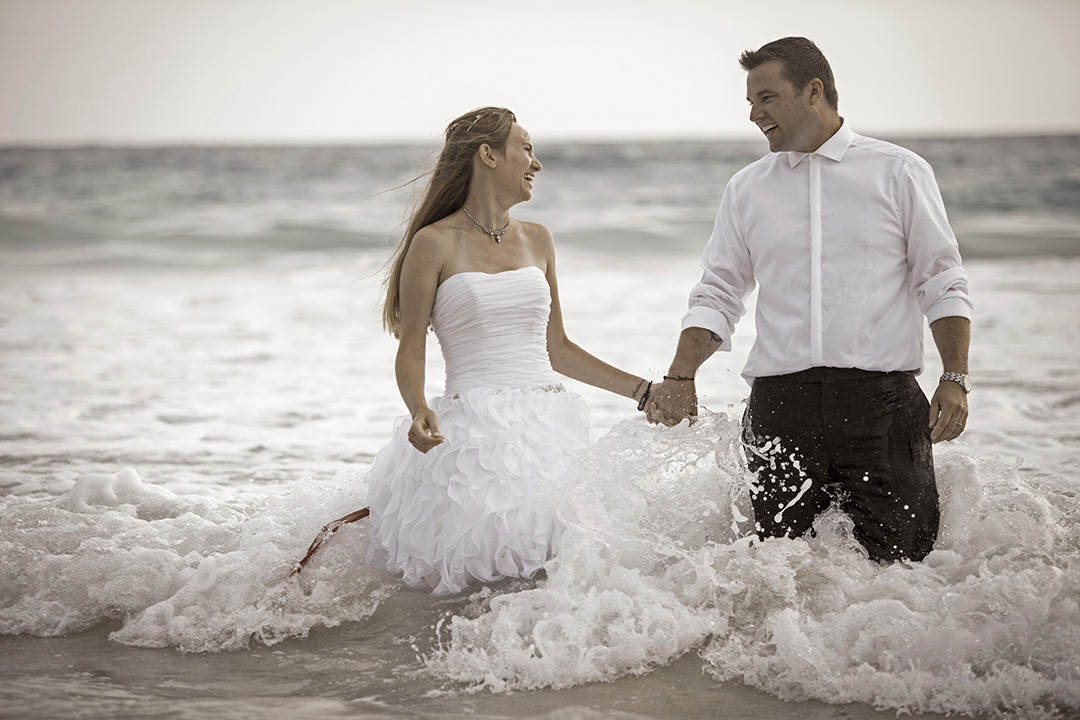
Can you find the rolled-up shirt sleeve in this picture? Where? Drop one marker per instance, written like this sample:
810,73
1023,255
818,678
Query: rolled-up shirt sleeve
938,280
717,301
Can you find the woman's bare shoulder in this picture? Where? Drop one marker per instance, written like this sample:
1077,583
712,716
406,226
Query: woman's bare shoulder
539,237
436,231
435,241
535,229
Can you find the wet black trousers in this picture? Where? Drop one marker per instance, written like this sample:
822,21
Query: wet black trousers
855,437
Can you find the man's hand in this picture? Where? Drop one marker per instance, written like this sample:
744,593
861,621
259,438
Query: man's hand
424,431
948,412
671,402
949,406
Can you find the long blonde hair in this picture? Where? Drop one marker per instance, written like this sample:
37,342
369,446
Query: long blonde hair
446,191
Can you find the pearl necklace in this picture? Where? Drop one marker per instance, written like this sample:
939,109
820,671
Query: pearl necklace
497,234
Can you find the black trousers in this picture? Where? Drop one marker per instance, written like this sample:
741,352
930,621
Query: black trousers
855,437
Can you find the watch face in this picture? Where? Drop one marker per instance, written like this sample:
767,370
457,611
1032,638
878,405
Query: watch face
964,381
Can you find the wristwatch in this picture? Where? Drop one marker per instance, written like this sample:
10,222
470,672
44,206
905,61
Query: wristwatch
963,381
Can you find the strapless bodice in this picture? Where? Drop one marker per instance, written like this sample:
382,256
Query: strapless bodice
492,328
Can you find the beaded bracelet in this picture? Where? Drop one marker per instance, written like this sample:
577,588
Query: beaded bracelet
644,397
679,378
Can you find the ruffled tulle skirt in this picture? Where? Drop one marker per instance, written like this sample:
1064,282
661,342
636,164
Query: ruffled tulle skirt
482,505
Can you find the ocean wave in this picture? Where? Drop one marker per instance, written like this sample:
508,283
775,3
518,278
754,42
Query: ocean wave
187,571
56,243
656,563
1006,197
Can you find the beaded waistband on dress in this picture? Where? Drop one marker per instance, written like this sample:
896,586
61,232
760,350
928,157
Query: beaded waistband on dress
556,388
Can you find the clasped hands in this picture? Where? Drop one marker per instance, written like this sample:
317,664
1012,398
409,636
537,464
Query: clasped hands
671,402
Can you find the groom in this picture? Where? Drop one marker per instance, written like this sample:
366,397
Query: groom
847,240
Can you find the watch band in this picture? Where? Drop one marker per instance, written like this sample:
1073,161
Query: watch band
964,381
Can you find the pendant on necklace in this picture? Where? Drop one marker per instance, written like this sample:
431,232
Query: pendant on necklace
497,234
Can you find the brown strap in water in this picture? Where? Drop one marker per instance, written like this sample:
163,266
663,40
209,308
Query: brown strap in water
327,530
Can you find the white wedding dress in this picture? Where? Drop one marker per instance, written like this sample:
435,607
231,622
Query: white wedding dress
482,505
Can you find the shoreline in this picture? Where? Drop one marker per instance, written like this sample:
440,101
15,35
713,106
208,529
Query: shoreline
88,676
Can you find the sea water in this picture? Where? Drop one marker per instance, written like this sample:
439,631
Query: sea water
194,380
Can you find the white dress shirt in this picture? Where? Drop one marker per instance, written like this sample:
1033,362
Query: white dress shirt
851,248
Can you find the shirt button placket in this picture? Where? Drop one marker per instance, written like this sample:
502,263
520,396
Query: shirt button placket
816,353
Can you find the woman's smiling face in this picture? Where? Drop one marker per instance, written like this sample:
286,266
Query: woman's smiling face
520,165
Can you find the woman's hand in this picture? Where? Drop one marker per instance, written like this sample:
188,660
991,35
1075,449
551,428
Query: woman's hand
671,402
424,431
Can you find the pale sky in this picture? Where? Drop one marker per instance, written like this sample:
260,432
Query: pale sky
259,71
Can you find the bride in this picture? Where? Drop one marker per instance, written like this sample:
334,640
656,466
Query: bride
465,491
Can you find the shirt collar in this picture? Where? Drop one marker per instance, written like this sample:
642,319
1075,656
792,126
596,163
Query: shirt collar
833,148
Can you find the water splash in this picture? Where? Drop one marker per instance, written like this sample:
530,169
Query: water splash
180,570
656,562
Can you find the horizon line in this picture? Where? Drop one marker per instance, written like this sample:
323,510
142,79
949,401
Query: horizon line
567,140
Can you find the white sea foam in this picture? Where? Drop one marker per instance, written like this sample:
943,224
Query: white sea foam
650,569
179,570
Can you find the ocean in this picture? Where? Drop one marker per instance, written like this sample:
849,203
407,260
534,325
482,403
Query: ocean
193,379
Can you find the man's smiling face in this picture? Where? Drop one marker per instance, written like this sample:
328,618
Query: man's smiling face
783,113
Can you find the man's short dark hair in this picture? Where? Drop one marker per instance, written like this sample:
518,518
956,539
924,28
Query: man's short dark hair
802,60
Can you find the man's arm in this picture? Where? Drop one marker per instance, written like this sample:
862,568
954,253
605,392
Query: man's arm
716,304
949,406
675,399
940,287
